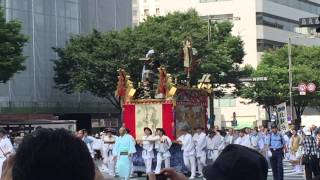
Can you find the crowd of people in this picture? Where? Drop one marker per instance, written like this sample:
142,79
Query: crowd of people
223,154
300,147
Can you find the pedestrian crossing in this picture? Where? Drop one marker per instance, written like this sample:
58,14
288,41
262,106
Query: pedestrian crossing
289,173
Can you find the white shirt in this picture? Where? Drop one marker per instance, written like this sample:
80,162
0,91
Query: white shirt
147,145
5,146
108,147
97,144
187,145
163,143
215,143
228,139
200,143
244,141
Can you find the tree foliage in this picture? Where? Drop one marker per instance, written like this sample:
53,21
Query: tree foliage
274,65
12,42
90,62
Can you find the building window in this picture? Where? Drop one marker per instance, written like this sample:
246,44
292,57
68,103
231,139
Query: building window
265,45
157,11
278,22
227,101
303,5
146,12
207,1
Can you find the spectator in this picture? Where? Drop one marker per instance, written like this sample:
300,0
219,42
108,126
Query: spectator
6,148
52,155
311,155
238,162
295,142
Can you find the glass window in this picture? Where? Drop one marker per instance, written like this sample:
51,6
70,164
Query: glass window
71,10
146,12
225,102
308,6
157,11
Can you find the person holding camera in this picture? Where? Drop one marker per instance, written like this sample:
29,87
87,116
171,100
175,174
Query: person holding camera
310,158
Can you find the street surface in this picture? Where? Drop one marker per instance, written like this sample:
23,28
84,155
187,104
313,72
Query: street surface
289,174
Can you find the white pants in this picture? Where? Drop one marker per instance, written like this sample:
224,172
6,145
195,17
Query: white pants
148,163
201,161
160,159
190,163
110,165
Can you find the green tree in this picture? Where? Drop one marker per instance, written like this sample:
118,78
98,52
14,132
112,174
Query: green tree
90,62
274,65
12,42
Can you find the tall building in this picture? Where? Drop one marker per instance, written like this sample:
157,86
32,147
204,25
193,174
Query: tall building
262,24
50,23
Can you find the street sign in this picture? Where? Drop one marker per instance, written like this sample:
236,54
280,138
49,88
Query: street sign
302,87
282,117
254,79
302,93
309,22
311,87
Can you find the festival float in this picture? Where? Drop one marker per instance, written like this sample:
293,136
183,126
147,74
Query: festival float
161,101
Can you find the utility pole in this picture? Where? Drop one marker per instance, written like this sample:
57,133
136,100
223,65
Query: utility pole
290,78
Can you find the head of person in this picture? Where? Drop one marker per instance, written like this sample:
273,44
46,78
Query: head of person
199,129
211,133
147,131
184,130
294,132
51,155
216,128
161,132
231,131
85,132
274,129
109,132
238,161
80,134
242,132
247,130
3,133
122,131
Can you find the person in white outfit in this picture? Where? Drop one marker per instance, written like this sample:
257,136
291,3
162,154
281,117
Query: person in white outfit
147,143
215,145
243,139
189,155
108,142
200,141
6,148
230,137
162,145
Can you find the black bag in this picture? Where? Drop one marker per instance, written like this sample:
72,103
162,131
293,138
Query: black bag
305,159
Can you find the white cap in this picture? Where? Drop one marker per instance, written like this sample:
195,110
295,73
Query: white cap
306,131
